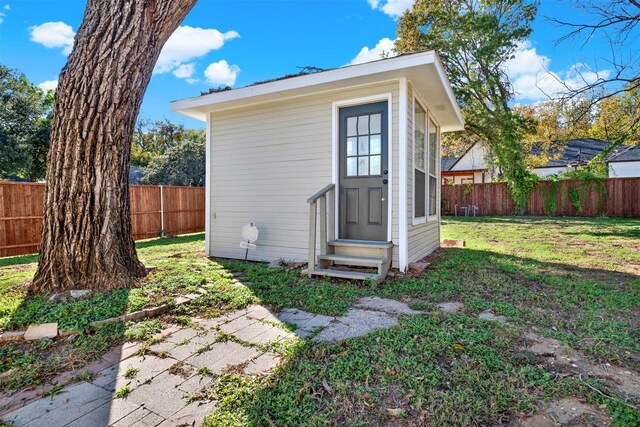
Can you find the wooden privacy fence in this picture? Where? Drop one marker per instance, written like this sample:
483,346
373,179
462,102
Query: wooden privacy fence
181,209
613,197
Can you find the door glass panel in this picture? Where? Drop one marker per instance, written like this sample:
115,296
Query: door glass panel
363,145
352,146
374,165
352,166
363,165
375,123
363,125
352,126
375,146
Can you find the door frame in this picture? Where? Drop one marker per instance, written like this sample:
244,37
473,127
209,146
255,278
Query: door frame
335,152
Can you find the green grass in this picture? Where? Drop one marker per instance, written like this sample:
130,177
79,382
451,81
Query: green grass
577,280
181,268
573,279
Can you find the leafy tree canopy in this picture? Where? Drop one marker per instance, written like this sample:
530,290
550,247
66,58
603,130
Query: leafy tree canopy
476,39
181,164
25,124
154,137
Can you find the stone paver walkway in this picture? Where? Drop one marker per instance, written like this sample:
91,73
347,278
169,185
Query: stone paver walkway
162,379
368,314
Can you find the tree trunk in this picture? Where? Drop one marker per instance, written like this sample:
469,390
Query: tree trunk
86,239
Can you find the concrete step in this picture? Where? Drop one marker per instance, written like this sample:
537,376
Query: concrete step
361,243
362,261
341,274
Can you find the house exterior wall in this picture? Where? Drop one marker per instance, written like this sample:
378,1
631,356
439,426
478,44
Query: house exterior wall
624,169
545,172
423,237
473,159
266,160
476,176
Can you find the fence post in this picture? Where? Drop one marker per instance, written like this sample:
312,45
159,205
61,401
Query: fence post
161,212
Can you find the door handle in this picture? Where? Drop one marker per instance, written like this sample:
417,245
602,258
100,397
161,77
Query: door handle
385,181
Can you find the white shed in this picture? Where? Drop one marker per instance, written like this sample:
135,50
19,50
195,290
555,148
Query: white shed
339,167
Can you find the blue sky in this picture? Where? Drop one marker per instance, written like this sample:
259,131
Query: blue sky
240,42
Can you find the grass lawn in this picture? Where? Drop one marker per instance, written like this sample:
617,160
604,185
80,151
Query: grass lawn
576,280
181,268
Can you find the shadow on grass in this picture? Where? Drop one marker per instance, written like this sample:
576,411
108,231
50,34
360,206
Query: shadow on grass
626,222
141,244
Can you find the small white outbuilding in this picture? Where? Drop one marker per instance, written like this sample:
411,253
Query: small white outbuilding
339,167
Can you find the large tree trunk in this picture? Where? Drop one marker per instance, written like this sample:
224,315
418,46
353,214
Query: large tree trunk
86,240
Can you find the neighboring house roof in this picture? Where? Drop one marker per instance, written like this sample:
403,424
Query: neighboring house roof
135,173
626,154
575,152
446,163
423,69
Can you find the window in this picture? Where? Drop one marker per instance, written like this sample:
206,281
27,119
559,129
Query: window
425,164
419,172
466,181
364,145
433,172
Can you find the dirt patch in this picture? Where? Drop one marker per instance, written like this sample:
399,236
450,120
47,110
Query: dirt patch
568,412
626,381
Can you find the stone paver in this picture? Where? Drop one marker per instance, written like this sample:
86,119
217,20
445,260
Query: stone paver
76,401
451,307
237,324
385,305
167,375
45,330
356,323
262,364
221,355
490,315
139,417
108,413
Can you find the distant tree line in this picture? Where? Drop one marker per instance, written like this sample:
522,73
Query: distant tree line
168,153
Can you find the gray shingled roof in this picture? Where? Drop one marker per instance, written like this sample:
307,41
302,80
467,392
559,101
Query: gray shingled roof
446,163
626,154
575,152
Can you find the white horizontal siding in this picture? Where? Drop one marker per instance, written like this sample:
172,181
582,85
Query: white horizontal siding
267,160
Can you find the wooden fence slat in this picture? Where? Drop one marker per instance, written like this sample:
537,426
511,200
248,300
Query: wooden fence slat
621,198
22,206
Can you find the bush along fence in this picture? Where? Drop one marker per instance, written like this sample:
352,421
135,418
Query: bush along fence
613,197
155,211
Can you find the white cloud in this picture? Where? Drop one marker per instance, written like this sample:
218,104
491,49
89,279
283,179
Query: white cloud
54,35
4,14
393,8
48,85
184,71
532,78
188,43
221,73
384,46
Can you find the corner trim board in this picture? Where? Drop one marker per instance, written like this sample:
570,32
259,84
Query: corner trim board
403,249
207,190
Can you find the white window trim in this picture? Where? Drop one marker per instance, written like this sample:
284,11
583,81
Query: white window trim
335,107
420,219
436,175
428,116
